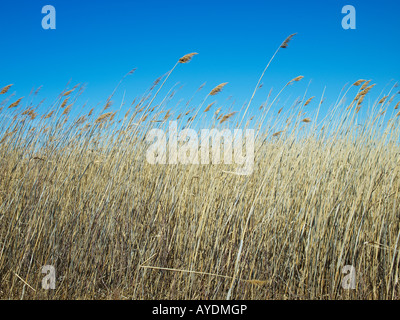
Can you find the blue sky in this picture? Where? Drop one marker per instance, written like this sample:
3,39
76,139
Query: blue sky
97,42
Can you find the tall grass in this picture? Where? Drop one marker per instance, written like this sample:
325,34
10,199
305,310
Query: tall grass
78,194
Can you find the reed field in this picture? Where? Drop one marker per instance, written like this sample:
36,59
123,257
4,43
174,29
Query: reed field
77,193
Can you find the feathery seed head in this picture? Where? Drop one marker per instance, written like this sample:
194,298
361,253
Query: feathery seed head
227,116
309,100
286,42
15,104
209,106
365,84
358,82
5,89
218,89
383,100
186,58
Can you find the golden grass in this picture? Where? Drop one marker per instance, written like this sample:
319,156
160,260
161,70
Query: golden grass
79,194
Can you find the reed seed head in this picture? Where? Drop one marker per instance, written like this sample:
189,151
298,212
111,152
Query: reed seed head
277,133
209,106
103,117
309,100
383,100
68,92
186,58
358,82
15,104
286,42
218,89
365,84
227,116
295,79
5,89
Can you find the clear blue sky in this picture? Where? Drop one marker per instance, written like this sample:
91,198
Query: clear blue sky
97,42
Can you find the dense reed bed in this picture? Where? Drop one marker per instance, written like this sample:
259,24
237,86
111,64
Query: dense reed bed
77,193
